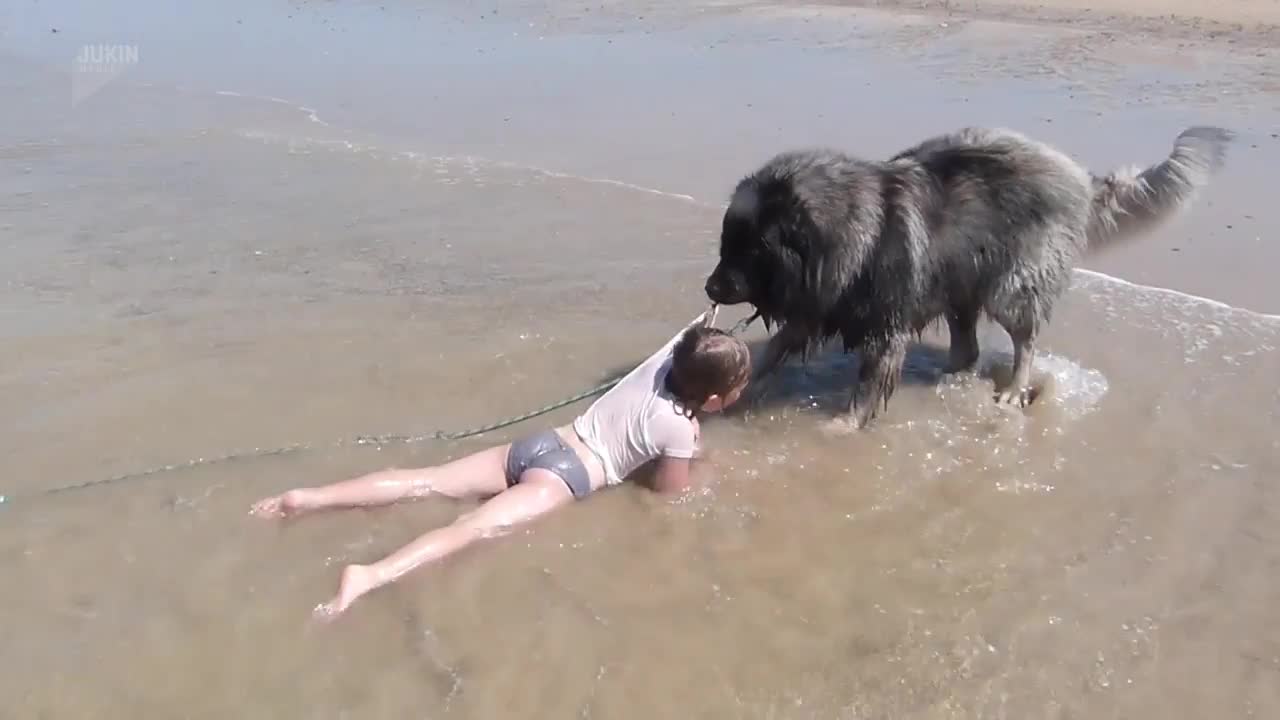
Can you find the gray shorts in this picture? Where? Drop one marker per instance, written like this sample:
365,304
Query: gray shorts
547,451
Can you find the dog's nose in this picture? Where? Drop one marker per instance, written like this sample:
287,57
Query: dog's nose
713,288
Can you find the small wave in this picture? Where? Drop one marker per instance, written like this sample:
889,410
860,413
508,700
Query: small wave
471,163
1071,388
472,160
618,183
1195,323
314,116
1183,296
311,113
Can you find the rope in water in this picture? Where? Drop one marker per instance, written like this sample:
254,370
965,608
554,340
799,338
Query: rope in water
358,440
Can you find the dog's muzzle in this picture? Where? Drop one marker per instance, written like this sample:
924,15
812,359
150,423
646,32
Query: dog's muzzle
721,291
714,289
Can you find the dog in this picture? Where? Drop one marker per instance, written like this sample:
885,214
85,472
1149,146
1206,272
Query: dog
976,222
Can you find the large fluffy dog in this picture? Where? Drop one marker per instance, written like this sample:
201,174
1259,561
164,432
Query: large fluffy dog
981,221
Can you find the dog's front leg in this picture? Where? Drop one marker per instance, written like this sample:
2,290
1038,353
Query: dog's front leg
963,327
782,345
775,353
877,379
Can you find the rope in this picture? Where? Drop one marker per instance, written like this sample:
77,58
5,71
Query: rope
360,439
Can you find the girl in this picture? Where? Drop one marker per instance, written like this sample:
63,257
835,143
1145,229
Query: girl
651,413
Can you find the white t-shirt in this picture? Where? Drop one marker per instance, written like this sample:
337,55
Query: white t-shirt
639,419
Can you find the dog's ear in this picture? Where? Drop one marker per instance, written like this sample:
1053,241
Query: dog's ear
787,276
744,207
805,272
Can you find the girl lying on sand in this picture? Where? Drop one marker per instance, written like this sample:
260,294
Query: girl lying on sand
651,413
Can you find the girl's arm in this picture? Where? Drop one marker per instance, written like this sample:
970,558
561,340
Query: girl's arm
683,437
671,476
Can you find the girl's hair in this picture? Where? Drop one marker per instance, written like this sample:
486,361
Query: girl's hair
706,361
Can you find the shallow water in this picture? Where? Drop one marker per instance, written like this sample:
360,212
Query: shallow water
214,252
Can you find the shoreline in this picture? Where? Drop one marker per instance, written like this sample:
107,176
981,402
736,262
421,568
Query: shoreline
1257,23
1249,23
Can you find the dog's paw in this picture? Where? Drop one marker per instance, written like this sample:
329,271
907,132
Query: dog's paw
859,417
839,425
1018,397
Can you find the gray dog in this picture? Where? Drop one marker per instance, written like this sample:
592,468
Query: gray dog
978,221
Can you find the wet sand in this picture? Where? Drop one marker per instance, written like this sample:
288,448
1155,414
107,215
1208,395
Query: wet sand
401,218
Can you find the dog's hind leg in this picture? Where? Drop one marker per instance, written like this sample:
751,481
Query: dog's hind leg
877,379
1023,309
1018,391
963,326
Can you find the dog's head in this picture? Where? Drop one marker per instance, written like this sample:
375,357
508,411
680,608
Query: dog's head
763,240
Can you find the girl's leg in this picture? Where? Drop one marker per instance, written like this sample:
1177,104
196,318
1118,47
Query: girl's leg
480,474
539,492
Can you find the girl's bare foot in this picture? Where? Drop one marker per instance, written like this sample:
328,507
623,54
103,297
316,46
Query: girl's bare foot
356,581
284,505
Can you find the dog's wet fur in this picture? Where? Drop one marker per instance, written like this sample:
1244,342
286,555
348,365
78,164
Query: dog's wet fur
977,222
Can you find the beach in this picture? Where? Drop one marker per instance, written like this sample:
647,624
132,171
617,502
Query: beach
264,231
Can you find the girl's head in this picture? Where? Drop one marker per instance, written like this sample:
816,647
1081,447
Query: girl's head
709,369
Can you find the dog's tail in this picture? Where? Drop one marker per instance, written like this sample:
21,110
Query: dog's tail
1130,201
